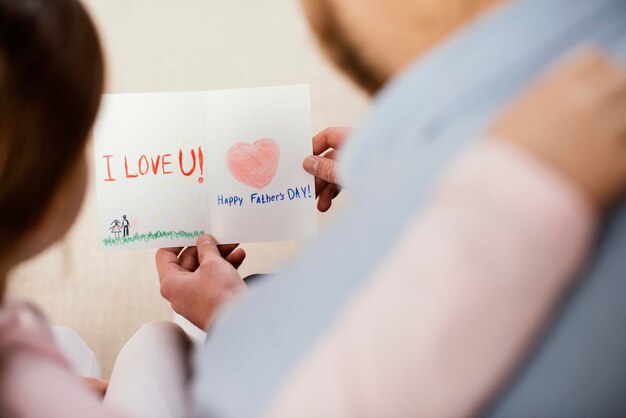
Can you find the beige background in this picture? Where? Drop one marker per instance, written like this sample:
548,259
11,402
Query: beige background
171,45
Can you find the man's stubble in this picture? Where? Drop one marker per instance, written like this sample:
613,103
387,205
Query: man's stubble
339,46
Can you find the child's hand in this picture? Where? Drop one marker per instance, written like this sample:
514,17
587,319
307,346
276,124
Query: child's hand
98,386
199,280
575,119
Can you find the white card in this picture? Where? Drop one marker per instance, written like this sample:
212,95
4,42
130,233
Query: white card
171,166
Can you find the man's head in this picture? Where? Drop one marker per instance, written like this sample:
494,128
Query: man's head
372,40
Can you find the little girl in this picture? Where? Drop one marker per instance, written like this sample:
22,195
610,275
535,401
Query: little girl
51,82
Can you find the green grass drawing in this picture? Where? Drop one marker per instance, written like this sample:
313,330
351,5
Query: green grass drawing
151,236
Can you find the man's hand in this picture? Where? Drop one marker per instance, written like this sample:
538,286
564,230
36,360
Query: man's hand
197,281
575,120
323,165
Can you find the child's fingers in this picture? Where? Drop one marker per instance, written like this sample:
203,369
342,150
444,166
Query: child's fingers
584,63
608,79
618,103
99,386
617,91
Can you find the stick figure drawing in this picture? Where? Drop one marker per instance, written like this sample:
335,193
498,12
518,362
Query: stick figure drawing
125,226
116,228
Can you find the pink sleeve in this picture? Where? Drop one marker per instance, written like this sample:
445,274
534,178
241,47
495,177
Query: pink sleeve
448,315
35,379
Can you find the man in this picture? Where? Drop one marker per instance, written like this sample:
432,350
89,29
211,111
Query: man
125,225
267,349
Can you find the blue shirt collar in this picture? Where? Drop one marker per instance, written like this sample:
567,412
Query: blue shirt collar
507,47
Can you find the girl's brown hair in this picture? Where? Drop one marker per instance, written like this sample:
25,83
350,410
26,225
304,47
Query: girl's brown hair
51,81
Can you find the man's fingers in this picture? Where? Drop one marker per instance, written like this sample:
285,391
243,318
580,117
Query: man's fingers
327,170
329,138
226,249
167,260
188,259
319,186
327,195
332,154
173,250
207,248
323,168
236,257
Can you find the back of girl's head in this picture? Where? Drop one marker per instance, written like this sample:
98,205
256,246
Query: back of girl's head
51,81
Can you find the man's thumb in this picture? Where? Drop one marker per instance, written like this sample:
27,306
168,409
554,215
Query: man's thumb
207,247
320,167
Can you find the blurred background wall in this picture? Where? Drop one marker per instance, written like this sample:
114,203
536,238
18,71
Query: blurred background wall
173,45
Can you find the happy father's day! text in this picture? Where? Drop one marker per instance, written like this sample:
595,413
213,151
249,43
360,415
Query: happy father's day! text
291,193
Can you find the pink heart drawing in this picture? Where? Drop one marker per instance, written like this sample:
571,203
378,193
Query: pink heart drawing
256,164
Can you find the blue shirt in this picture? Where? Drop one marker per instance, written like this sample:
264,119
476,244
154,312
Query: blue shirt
424,117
